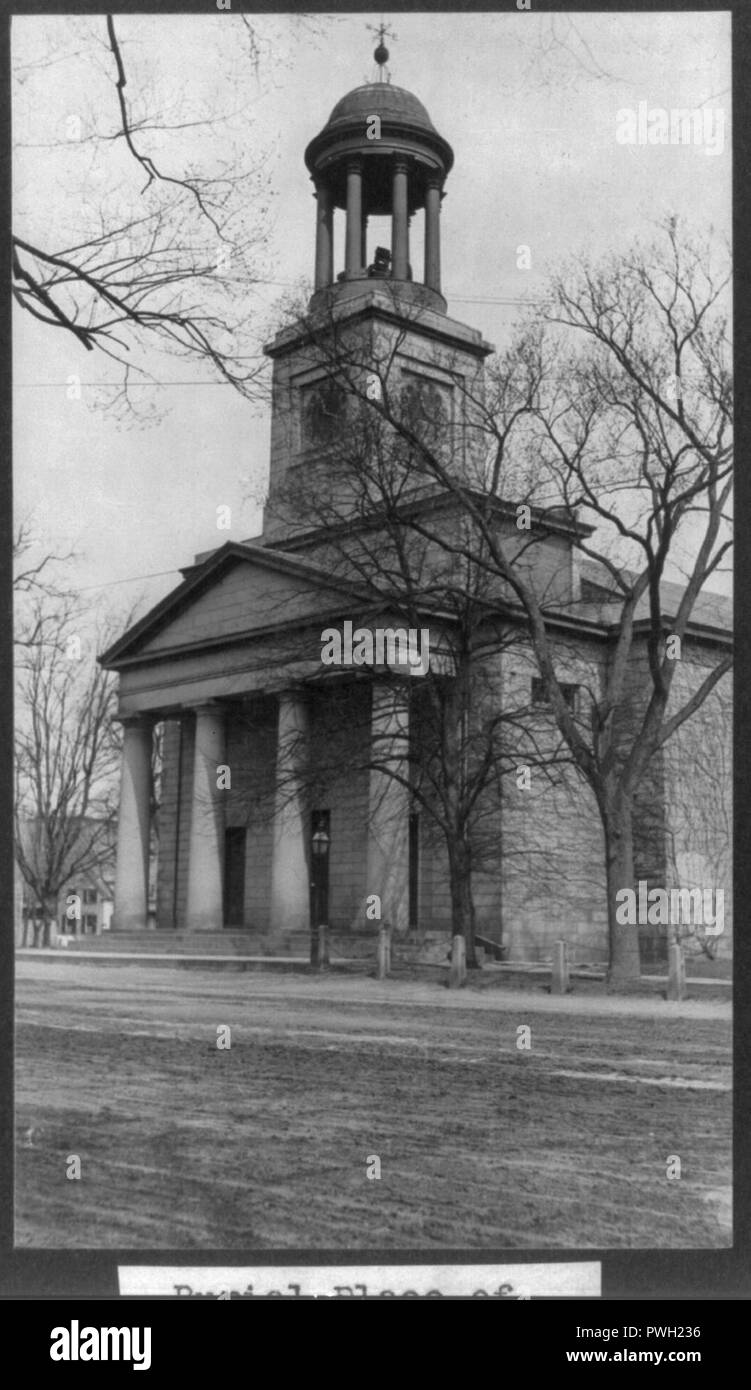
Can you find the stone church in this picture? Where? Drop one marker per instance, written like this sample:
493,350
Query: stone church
228,666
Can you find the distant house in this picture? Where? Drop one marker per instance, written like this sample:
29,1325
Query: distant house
84,905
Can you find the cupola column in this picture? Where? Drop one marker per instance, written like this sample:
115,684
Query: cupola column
400,222
432,235
324,237
353,256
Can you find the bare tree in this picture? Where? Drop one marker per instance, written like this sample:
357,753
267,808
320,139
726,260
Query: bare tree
66,757
160,254
611,412
40,596
633,429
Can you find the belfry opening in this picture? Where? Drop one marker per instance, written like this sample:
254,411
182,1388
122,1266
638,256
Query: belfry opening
379,155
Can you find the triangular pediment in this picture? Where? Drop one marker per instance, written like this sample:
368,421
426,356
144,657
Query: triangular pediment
239,591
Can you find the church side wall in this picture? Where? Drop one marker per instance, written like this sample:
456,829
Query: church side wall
554,883
698,797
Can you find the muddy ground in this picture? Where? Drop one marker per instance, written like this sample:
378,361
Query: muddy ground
267,1144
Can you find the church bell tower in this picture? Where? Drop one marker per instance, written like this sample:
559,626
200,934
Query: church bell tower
378,156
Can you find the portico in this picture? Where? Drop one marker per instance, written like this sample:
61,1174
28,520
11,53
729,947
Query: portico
243,774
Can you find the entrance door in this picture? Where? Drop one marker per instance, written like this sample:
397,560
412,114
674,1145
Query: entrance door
414,871
234,876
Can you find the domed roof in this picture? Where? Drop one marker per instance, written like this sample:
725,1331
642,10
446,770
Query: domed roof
381,99
407,130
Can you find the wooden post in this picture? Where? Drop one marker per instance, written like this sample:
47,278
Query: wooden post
458,967
384,952
676,972
559,983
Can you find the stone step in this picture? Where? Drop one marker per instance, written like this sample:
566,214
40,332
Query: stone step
220,943
430,947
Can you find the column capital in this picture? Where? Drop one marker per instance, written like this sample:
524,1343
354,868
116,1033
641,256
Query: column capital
293,692
401,163
354,164
139,720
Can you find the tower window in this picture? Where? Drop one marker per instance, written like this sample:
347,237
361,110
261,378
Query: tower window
426,409
323,412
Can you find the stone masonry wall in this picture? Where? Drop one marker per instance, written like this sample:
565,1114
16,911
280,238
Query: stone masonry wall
552,841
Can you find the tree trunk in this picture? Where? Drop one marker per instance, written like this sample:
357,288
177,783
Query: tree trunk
624,965
462,906
43,923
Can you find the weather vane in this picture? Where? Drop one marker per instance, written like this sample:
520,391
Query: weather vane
381,54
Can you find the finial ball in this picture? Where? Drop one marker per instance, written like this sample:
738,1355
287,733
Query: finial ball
381,54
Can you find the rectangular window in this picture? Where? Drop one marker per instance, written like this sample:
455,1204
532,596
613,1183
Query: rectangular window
569,691
322,413
89,895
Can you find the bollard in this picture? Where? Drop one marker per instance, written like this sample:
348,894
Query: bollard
559,983
676,972
458,967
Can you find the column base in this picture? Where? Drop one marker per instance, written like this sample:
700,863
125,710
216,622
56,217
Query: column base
123,923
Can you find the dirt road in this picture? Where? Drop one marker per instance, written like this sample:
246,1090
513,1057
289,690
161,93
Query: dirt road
268,1143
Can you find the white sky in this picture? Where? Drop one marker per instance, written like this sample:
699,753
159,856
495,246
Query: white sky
532,123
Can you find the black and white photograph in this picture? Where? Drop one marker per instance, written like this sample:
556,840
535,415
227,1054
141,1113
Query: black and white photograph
373,635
